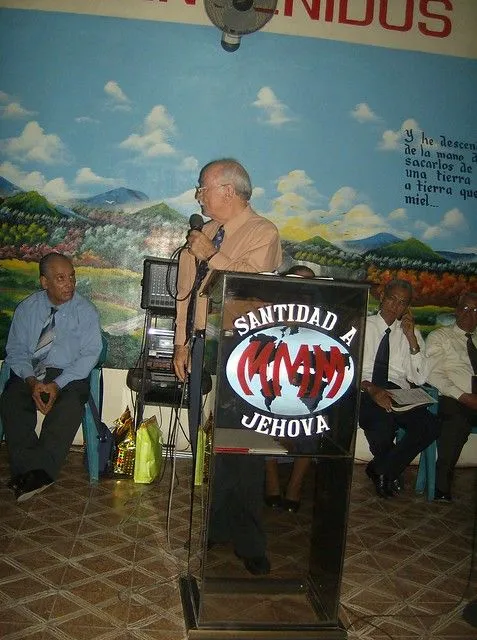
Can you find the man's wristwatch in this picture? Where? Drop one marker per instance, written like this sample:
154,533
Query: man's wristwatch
414,350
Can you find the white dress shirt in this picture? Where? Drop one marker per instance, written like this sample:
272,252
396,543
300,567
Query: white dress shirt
450,368
403,366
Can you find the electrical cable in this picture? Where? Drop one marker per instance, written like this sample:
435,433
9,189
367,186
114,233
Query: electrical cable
169,290
173,469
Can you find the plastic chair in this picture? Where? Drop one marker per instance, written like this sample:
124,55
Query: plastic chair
90,433
427,458
426,475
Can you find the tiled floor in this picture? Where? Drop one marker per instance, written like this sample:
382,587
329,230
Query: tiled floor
97,562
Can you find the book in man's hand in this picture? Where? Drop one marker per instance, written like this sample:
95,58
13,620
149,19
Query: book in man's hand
406,399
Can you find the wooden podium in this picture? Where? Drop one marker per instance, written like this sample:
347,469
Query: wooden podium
285,358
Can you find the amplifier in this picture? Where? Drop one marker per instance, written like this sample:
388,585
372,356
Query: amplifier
160,343
161,385
164,365
159,285
168,395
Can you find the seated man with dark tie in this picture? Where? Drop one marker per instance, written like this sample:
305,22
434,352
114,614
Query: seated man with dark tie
53,344
452,358
393,358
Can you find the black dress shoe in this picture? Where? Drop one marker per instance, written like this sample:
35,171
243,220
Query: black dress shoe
290,505
395,486
441,496
211,544
380,482
32,482
274,502
258,566
15,482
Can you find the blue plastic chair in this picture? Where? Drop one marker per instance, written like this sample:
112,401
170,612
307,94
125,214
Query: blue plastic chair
426,475
427,459
90,432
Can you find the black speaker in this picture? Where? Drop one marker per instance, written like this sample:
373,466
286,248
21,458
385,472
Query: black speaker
158,282
159,388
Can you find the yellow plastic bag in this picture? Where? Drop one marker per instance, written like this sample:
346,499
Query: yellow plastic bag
148,461
200,458
204,445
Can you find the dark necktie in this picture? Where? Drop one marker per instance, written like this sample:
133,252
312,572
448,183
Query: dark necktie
381,361
203,267
202,271
472,351
43,345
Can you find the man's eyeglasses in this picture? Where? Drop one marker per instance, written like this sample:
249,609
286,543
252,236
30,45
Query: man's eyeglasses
467,309
402,302
201,190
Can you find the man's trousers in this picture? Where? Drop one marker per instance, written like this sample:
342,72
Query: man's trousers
27,450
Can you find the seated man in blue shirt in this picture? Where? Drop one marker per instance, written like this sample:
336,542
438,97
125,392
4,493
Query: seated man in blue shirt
53,344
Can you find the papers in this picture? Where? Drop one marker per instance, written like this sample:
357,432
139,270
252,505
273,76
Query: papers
405,399
246,441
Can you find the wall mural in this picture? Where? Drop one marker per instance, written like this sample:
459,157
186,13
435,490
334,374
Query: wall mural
364,157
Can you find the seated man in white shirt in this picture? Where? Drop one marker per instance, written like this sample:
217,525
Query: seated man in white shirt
405,363
450,351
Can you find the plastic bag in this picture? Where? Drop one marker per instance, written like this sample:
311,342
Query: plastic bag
125,441
148,451
200,457
204,446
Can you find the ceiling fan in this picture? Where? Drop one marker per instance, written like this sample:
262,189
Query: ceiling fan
236,18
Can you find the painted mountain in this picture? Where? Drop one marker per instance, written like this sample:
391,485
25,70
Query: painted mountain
31,202
453,256
316,244
116,198
7,188
163,212
34,203
375,244
364,245
319,242
411,249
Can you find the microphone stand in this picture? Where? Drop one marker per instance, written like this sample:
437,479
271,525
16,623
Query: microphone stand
192,305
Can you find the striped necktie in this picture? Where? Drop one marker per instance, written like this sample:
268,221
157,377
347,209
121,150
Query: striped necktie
202,271
43,345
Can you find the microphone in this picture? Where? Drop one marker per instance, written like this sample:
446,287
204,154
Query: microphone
196,222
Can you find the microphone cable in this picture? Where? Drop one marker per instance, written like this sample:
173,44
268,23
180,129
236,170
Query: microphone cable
196,222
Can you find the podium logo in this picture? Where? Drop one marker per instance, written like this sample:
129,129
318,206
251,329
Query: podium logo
290,370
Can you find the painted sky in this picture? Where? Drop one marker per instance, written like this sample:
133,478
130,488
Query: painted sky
89,103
